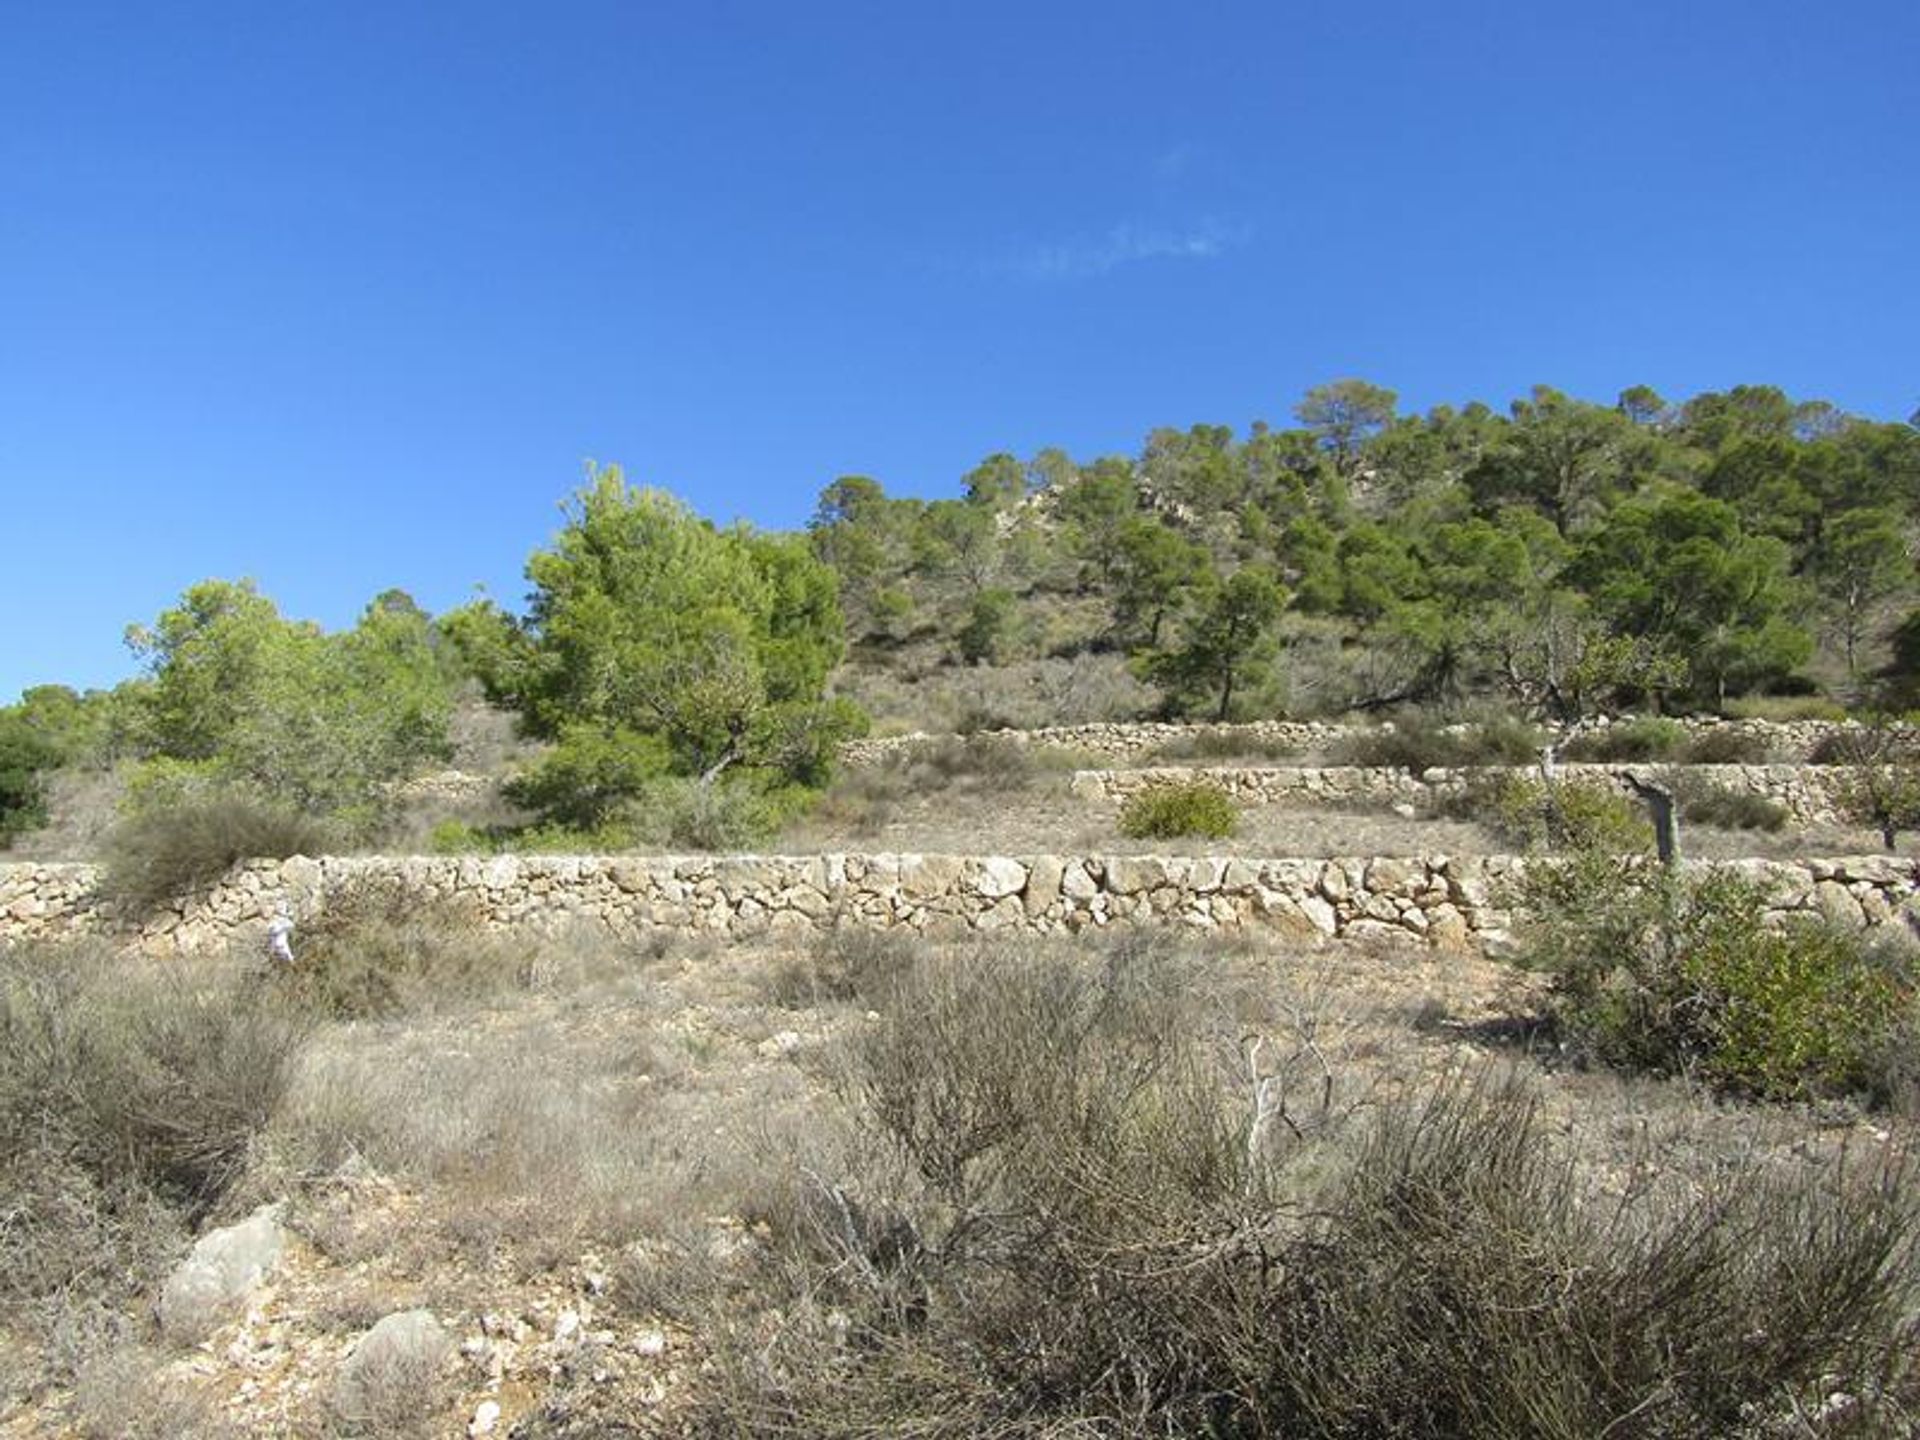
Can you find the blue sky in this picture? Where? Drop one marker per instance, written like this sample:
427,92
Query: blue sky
341,296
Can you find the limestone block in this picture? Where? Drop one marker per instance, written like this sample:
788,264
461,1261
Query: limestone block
1837,904
1076,884
1239,877
220,1272
925,875
1448,928
1375,932
1391,875
1205,874
1320,914
1044,880
998,876
1874,906
1131,874
1005,914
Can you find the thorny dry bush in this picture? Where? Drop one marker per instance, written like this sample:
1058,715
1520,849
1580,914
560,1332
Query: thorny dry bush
1084,1208
131,1096
1124,1186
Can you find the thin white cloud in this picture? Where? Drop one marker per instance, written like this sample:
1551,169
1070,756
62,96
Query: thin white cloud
1126,244
1173,163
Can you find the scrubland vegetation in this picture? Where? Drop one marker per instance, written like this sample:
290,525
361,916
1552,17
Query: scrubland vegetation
1144,1186
1647,1174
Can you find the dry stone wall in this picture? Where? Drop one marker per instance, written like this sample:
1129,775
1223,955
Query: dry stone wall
1452,902
1790,741
1809,794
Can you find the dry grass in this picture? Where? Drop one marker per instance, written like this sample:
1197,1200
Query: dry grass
915,690
1084,1215
675,1119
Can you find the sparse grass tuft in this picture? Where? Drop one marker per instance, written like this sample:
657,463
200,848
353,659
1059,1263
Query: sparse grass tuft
131,1095
1780,708
839,966
1725,746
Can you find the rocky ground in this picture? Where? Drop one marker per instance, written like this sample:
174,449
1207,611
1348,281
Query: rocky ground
512,1178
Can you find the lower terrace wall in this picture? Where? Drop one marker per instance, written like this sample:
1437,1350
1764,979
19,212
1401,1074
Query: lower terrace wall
1809,794
1448,902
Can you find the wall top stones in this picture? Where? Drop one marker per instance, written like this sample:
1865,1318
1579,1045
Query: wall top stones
1810,794
1789,741
1450,902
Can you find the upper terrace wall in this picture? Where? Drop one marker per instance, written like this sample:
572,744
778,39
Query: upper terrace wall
1810,794
1451,902
1789,741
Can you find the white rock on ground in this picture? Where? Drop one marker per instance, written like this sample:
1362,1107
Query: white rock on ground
219,1273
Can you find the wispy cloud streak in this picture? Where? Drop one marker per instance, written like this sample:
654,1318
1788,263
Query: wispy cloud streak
1125,244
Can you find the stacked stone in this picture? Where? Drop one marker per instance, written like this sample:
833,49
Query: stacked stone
1790,741
38,898
1447,902
1809,794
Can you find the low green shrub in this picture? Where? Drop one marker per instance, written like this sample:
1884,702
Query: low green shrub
1528,814
1416,742
1649,737
1705,803
1216,746
458,837
1724,745
1683,975
1186,808
689,815
168,849
1068,1214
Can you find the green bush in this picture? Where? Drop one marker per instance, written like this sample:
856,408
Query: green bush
1528,814
1170,812
1417,742
690,815
168,848
1674,975
1723,809
1065,1217
1215,746
1724,745
1650,737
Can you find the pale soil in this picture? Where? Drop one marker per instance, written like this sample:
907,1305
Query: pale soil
974,817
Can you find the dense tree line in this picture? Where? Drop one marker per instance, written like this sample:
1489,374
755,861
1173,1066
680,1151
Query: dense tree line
1563,556
1560,555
